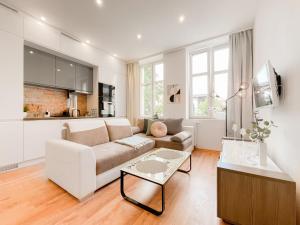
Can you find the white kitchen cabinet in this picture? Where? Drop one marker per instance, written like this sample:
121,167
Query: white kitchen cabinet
11,21
36,133
11,76
40,33
77,50
11,142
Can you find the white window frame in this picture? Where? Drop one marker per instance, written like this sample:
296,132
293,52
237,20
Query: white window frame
153,82
210,78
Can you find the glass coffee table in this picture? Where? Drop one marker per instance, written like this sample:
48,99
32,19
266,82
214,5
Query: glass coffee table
158,167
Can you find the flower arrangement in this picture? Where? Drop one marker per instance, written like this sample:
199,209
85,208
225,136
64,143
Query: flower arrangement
261,129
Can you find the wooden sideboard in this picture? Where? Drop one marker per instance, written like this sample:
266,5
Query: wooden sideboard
251,194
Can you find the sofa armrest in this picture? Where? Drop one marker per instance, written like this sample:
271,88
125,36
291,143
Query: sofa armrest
190,129
72,166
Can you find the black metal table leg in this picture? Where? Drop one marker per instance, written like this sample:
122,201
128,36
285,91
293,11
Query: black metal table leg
147,208
187,171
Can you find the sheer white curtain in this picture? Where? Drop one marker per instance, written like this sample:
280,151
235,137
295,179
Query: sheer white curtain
240,108
133,95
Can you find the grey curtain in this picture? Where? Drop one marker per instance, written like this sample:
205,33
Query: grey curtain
240,108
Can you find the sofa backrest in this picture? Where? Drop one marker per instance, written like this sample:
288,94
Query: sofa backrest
87,132
118,128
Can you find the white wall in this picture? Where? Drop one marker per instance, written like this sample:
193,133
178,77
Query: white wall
208,132
175,73
277,38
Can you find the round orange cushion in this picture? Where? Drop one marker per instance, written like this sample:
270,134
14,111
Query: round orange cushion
158,129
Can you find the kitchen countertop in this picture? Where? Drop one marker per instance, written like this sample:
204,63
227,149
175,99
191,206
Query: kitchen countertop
59,118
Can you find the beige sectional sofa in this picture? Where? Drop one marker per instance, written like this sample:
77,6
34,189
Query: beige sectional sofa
89,158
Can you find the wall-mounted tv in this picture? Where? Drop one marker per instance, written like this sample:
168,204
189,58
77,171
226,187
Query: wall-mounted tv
266,87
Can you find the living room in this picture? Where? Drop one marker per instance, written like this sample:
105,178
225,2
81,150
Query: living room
149,112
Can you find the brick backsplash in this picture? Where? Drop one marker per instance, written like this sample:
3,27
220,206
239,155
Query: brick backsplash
41,99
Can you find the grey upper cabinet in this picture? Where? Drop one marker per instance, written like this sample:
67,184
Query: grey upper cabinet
84,79
39,67
64,74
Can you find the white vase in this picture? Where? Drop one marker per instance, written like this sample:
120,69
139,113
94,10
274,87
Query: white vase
262,148
24,114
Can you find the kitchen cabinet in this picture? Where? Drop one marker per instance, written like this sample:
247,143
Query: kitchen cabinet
36,134
11,76
64,74
84,79
252,194
11,139
39,67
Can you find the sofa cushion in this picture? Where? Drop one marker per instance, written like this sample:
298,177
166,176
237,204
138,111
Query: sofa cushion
136,130
140,124
118,128
145,126
166,142
158,129
110,155
174,126
87,132
150,122
181,136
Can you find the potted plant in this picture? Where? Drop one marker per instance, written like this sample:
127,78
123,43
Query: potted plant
260,130
25,110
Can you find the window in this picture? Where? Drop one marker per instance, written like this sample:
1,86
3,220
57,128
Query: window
152,89
208,81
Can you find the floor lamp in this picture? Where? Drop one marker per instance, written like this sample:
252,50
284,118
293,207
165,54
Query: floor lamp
244,86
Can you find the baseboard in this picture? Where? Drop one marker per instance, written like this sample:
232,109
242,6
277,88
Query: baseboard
7,168
31,162
205,149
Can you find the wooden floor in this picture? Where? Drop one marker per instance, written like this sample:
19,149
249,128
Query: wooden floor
27,197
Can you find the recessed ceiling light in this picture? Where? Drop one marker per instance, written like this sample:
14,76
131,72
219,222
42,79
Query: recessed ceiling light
115,55
139,36
181,19
43,19
31,52
88,41
99,2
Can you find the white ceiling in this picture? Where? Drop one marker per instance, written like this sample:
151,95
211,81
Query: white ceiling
114,26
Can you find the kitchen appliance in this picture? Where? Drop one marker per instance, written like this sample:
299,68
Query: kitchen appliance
106,97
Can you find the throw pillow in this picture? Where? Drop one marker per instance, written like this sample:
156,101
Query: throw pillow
181,137
150,121
135,130
158,129
88,133
140,124
145,126
174,126
118,129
